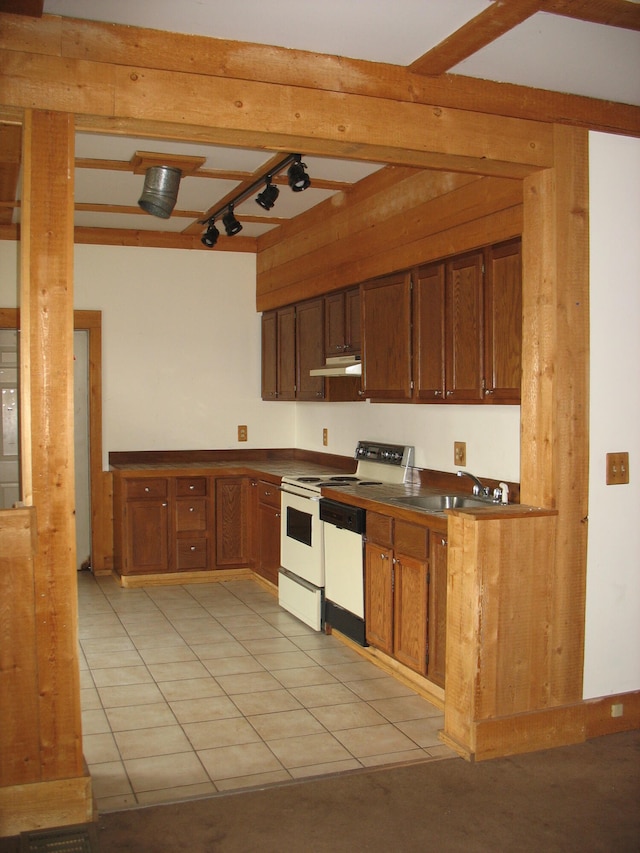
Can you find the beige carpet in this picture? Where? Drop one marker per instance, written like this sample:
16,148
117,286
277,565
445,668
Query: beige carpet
582,798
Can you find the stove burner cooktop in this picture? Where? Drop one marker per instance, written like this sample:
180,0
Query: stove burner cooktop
339,480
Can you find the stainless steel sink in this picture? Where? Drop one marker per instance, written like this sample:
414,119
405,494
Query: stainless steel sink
438,503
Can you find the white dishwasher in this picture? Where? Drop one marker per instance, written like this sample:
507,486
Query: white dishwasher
343,530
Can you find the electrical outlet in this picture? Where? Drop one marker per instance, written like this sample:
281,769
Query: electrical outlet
242,432
325,436
617,709
617,469
459,452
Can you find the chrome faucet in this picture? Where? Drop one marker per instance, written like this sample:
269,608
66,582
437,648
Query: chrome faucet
478,488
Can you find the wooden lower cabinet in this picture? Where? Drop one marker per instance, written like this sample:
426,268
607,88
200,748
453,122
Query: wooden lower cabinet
232,539
405,593
180,523
265,526
146,536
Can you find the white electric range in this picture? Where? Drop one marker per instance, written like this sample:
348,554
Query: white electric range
310,558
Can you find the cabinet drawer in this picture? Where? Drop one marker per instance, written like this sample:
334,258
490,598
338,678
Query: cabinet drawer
411,540
147,488
380,529
191,486
191,515
192,554
268,493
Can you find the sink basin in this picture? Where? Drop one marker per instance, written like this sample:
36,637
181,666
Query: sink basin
438,503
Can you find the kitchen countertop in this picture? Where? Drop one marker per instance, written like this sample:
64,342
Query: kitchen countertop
376,498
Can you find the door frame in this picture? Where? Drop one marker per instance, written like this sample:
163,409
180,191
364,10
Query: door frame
100,481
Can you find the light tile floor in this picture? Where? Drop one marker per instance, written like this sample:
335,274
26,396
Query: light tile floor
196,689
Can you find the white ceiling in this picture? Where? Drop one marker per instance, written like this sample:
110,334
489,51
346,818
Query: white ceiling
545,51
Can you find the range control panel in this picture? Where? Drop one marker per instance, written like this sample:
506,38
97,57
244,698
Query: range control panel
389,454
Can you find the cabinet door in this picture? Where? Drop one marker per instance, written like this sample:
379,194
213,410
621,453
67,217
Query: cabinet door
334,324
437,608
410,612
286,353
386,317
379,597
270,355
269,539
464,314
503,322
146,536
309,348
232,540
352,321
429,333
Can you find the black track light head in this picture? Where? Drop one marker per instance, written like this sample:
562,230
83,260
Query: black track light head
210,236
298,178
231,224
267,198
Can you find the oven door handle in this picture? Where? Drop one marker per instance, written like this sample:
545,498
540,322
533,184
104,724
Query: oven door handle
296,495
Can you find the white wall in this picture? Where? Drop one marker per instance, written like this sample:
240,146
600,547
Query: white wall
492,433
181,347
612,653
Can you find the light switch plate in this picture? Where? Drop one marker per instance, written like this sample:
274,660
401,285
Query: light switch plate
459,452
617,469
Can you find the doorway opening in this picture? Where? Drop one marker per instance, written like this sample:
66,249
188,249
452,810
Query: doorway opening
95,545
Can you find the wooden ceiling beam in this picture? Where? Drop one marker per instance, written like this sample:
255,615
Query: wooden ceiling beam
263,115
115,45
493,22
611,13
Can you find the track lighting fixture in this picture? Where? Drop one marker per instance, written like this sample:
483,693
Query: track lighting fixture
231,224
267,198
298,181
210,236
298,178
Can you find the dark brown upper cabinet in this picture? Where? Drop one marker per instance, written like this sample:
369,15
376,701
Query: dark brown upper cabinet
503,322
342,328
279,354
310,348
386,344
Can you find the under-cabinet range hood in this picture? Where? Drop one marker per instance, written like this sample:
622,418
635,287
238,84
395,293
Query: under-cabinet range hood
339,365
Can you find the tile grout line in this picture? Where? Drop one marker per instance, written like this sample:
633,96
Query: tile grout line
170,616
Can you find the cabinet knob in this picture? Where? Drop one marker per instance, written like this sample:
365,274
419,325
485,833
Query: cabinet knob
191,487
147,489
267,493
192,548
164,504
383,557
277,515
191,509
488,391
437,393
449,393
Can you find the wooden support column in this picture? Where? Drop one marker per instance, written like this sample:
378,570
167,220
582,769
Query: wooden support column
61,793
555,388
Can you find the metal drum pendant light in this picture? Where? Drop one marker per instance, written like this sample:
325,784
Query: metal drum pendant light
160,190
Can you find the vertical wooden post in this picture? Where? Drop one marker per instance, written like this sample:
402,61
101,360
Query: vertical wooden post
46,355
555,388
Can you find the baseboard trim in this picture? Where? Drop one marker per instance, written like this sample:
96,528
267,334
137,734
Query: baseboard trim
42,805
598,719
177,578
549,728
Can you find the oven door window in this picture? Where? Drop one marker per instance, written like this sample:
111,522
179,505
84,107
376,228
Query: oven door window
299,525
